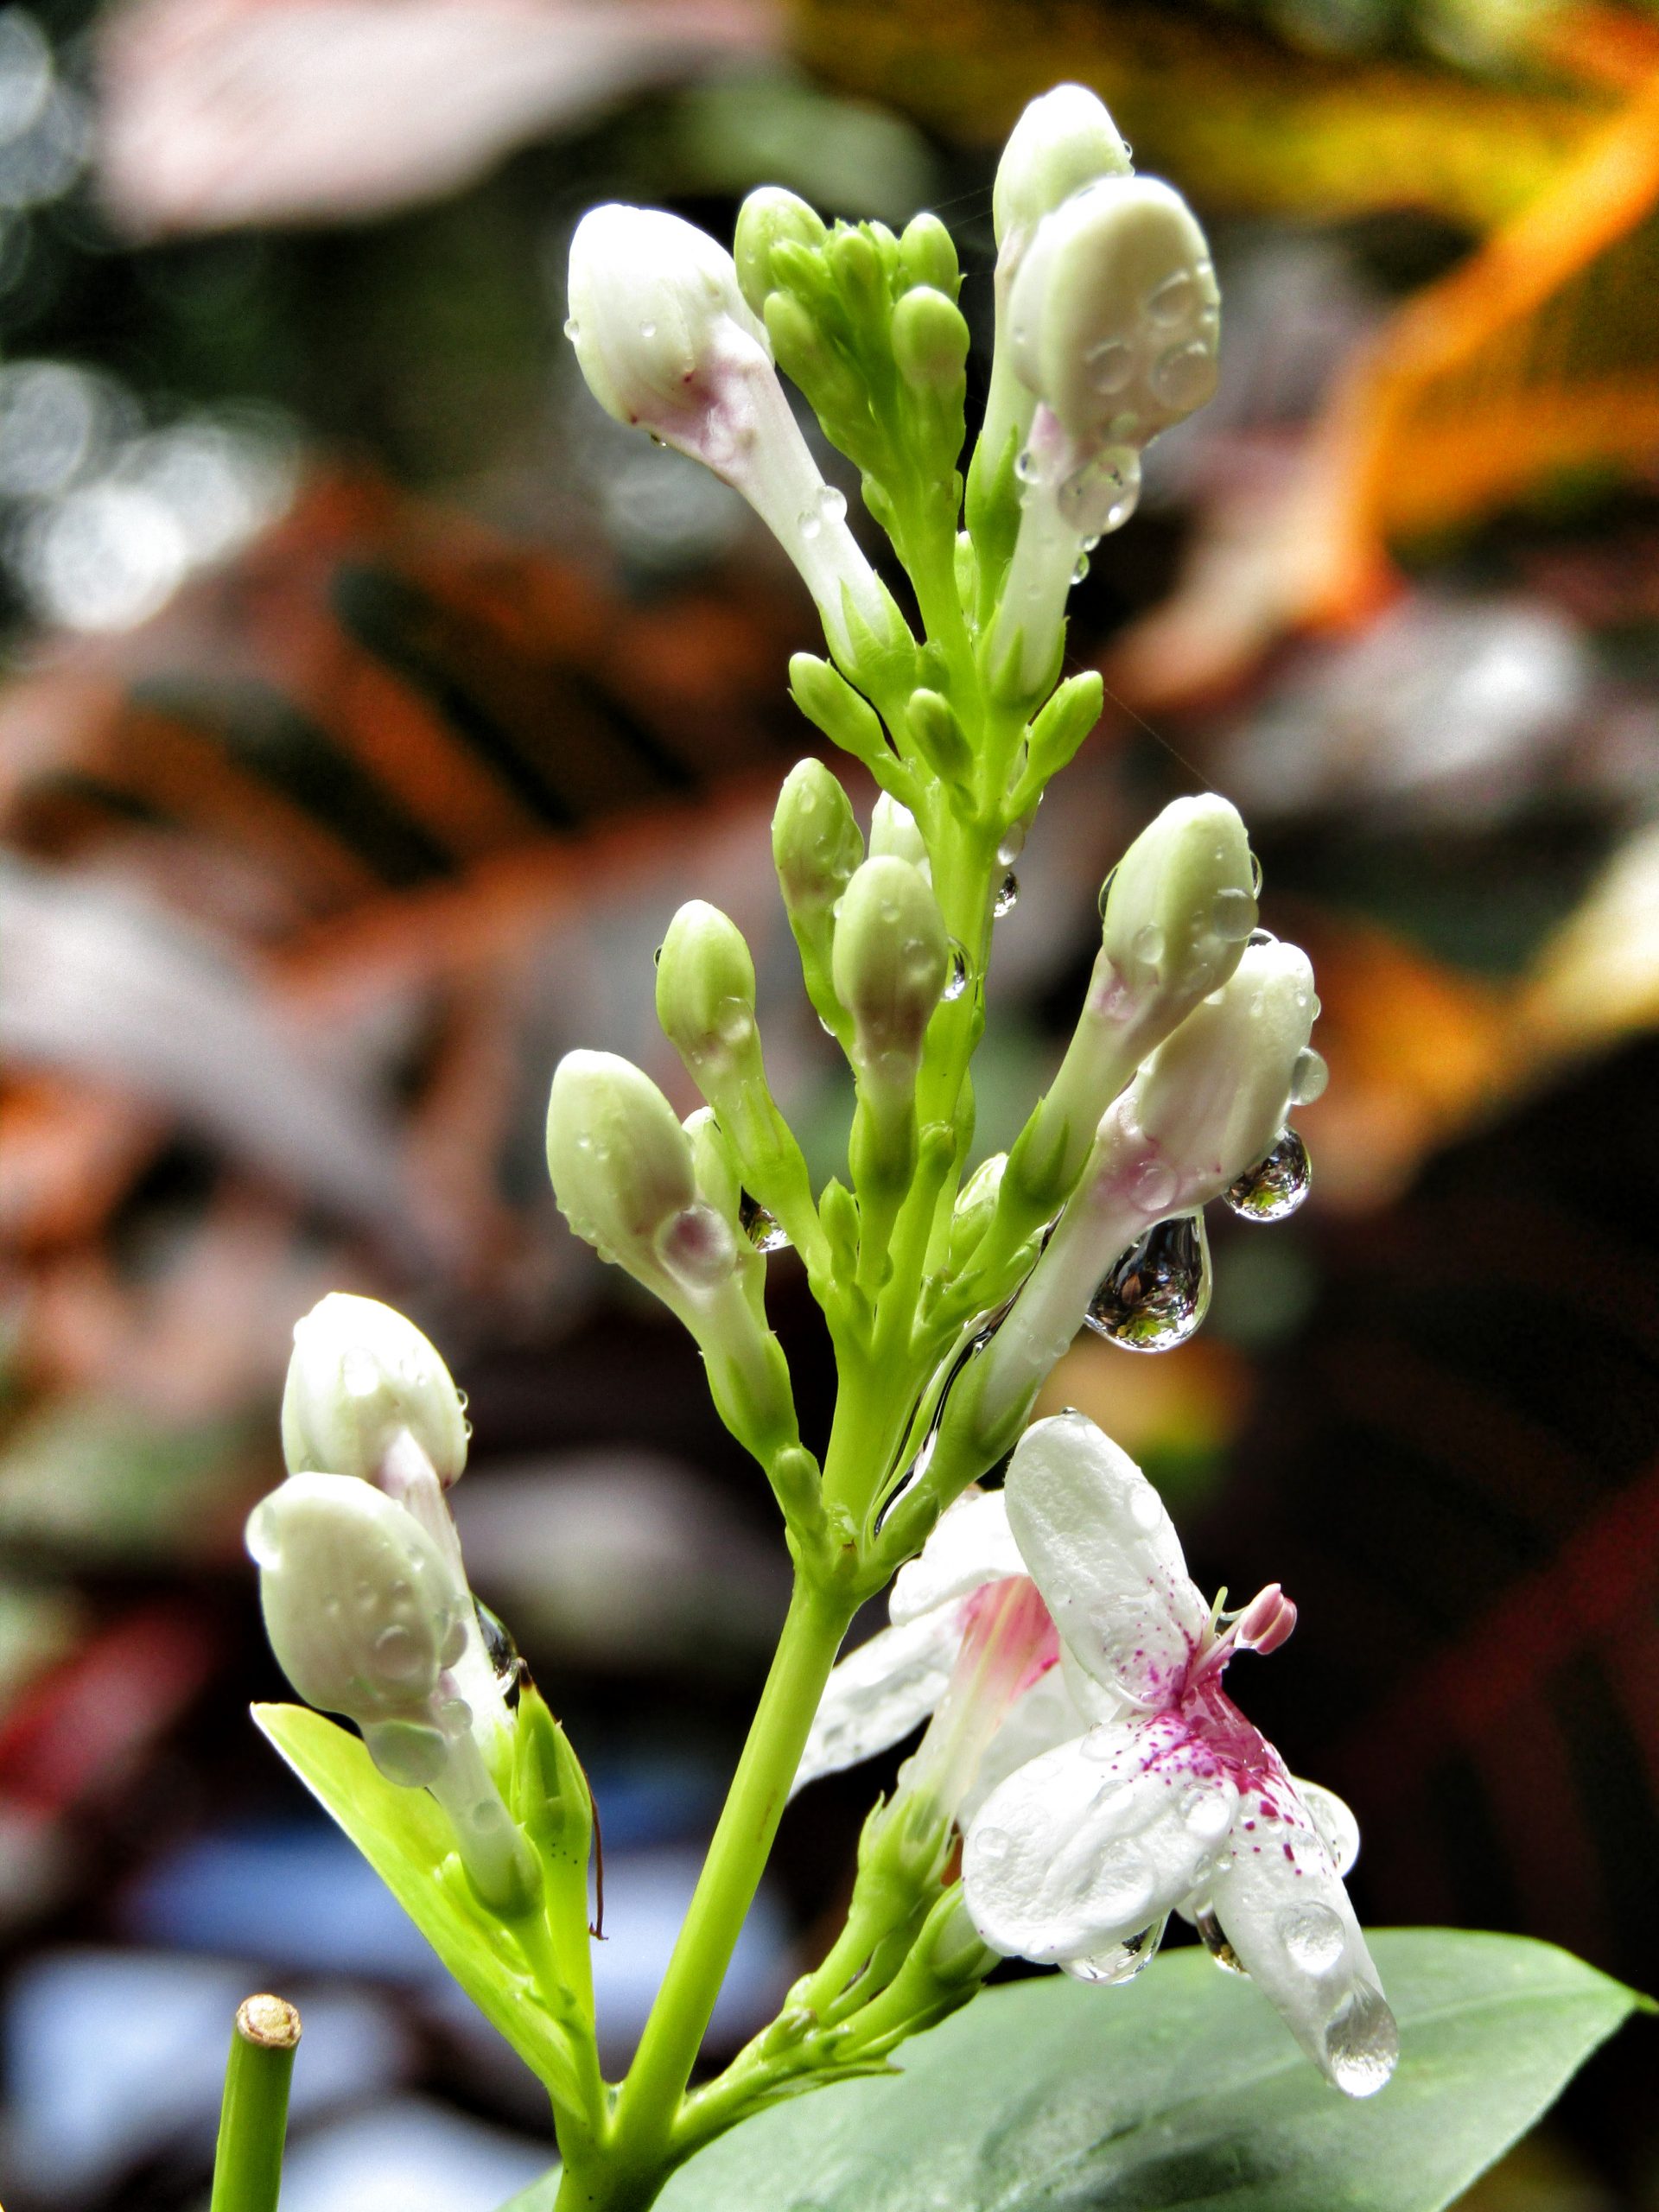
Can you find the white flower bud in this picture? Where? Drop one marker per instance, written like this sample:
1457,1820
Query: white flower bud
892,957
894,829
666,341
1116,315
622,1173
1065,140
360,1605
360,1378
1179,907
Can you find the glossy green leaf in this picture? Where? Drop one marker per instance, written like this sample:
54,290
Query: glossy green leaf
406,1839
1180,2092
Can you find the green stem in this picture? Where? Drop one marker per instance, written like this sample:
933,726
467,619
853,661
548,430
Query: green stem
650,2097
253,2117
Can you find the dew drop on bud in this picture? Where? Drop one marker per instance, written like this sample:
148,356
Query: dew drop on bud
1154,1297
1025,466
956,982
760,1226
1275,1186
1172,298
1106,892
1184,377
1007,896
506,1661
1232,914
1255,876
1110,364
1214,1941
1308,1077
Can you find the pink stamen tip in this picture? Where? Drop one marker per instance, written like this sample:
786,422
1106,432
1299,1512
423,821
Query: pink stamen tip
1266,1621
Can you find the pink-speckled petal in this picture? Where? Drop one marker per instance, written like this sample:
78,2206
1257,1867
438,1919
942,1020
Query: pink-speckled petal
1082,1847
971,1546
880,1692
1099,1545
1282,1907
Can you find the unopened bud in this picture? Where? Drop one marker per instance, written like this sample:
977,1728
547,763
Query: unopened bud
974,1208
927,255
705,995
929,339
830,704
359,1378
1116,313
815,844
937,732
1213,1096
360,1605
1063,141
622,1173
1180,906
894,830
767,218
892,957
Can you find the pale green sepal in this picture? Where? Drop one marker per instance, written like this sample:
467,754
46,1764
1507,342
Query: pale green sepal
1059,730
406,1839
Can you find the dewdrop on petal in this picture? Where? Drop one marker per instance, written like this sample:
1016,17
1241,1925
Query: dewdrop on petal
359,1378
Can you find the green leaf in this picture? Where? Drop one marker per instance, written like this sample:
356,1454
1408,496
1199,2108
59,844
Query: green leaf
406,1839
1183,2091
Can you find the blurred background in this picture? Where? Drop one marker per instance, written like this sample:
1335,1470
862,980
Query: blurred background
369,700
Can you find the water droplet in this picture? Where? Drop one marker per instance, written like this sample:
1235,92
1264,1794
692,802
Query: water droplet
1025,467
1313,1937
359,1371
1214,1941
401,1655
832,504
1154,1297
1257,938
809,522
1013,841
1207,1809
1150,943
1255,876
1110,364
1361,2045
506,1661
1123,1881
956,982
1106,892
1007,896
760,1226
1275,1186
454,1642
1186,376
991,1846
1122,1962
572,329
407,1752
1174,298
1308,1077
1102,495
647,330
1232,915
1154,1184
1081,570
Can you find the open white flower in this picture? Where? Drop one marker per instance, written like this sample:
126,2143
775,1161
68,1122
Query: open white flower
1174,1802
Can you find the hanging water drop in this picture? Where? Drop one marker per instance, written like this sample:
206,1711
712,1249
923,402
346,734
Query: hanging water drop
1256,877
1080,572
1275,1186
1013,839
1232,912
1308,1077
760,1226
1215,1941
1119,1962
1007,896
956,982
1106,892
1186,376
507,1662
1155,1296
1362,2044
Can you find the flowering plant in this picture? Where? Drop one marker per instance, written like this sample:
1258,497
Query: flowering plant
1083,1774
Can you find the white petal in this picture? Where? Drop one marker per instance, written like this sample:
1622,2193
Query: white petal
1043,1716
971,1546
1338,1829
880,1692
1086,1845
1099,1545
1281,1904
